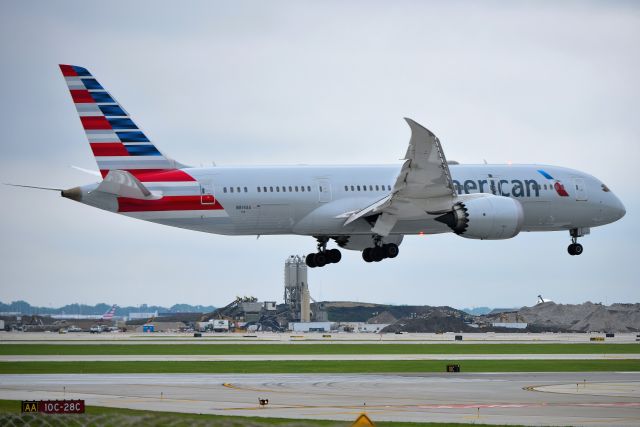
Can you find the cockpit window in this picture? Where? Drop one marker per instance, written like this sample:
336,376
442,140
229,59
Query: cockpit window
605,188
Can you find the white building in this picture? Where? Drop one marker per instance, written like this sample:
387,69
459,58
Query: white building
510,325
310,326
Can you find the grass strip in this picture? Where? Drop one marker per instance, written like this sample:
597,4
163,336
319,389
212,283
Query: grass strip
10,410
316,348
318,366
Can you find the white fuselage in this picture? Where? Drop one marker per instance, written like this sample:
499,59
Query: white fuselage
312,200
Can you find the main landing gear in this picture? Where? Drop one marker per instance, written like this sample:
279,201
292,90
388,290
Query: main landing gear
575,248
323,256
380,251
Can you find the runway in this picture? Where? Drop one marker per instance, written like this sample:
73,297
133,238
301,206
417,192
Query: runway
511,398
292,357
306,338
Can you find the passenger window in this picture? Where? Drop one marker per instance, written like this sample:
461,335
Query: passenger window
224,189
358,187
245,190
346,188
238,188
364,188
258,189
271,189
371,188
302,188
296,188
290,190
231,188
377,188
284,189
309,188
352,188
264,189
277,189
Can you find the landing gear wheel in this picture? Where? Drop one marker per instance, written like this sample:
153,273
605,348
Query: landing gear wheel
577,249
366,255
391,250
310,260
377,254
334,256
320,259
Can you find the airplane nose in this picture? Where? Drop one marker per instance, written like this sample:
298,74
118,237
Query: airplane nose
617,209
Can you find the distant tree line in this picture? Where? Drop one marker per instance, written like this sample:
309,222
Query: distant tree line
26,308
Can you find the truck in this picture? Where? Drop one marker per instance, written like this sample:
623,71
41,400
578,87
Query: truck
220,325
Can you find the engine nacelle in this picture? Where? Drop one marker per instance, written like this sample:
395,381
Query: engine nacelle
489,217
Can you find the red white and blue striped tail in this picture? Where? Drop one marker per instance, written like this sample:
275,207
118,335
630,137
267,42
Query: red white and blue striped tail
116,141
110,313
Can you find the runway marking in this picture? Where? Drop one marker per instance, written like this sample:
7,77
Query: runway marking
307,393
234,387
446,406
590,388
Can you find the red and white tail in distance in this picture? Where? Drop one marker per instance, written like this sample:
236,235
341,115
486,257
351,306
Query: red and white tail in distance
110,313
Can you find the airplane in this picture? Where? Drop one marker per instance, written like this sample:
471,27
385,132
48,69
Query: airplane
367,208
110,313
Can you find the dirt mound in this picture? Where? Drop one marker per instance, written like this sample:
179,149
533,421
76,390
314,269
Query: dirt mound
433,319
384,317
587,317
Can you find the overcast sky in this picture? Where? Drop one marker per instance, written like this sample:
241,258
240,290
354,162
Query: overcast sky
317,82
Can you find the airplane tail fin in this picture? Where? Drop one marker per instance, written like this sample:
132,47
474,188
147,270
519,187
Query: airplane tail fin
116,141
109,314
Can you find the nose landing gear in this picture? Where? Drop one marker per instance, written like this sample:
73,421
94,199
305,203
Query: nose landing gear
576,248
323,256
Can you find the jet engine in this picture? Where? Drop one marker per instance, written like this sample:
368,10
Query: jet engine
489,217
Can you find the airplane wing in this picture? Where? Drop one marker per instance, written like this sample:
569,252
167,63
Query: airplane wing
424,184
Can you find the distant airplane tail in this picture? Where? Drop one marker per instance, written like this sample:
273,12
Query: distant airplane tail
116,141
110,313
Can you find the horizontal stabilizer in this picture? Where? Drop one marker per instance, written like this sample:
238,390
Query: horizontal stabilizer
89,171
124,184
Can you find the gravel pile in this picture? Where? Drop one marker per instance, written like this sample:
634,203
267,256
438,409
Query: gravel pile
587,317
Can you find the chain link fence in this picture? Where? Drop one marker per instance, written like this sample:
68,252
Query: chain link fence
124,420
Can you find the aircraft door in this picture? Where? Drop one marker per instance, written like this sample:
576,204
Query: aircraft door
581,191
324,190
207,196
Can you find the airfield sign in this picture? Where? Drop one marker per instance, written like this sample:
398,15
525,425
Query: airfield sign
54,406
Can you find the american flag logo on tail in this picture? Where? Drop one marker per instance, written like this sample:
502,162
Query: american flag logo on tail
116,141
